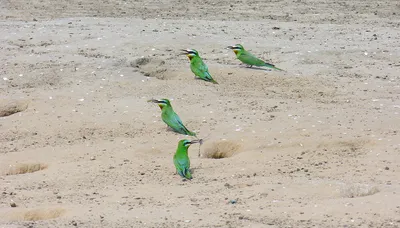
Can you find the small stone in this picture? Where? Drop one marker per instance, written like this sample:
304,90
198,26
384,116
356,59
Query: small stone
12,204
232,201
228,185
187,221
386,168
92,158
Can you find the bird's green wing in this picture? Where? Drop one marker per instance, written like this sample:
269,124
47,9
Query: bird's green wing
175,123
182,165
200,69
249,59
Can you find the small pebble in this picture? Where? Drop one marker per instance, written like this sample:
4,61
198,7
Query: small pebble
13,204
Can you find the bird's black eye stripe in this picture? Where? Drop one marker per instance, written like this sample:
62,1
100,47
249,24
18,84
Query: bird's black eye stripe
191,52
163,101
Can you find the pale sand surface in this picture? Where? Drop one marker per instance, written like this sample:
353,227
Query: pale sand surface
315,146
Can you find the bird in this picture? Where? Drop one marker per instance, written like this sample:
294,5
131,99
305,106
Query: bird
169,117
198,67
249,59
181,158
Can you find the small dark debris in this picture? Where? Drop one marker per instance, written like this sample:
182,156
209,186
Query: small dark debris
233,201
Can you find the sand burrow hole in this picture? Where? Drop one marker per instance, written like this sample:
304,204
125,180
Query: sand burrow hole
11,107
222,149
37,214
25,168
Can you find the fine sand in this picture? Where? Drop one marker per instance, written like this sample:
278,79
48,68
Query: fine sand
315,146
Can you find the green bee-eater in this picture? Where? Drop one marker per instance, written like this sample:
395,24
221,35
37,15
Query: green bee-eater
181,158
249,59
169,117
198,67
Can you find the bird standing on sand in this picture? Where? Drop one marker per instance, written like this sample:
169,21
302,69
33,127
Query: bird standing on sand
198,67
181,158
249,59
169,117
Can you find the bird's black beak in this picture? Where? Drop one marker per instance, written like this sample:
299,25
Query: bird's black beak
230,47
196,141
154,101
184,52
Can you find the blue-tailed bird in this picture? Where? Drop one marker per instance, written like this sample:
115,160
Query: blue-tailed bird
181,158
198,67
169,117
249,59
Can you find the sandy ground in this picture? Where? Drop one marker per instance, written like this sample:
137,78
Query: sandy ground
315,146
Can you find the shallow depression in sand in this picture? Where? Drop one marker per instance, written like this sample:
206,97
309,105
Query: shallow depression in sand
25,168
222,149
36,214
12,107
